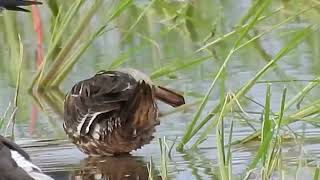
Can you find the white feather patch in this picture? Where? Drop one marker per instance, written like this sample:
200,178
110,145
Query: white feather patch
92,119
96,132
33,170
81,124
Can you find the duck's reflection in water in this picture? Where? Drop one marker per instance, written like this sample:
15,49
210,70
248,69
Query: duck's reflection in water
113,168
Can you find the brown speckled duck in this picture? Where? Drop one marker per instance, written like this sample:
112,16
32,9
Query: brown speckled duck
114,112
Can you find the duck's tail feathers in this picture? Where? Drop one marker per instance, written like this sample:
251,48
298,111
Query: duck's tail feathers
142,109
168,96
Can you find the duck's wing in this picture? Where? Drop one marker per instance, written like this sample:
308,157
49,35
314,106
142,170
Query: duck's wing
15,8
8,167
99,98
11,3
15,163
13,146
14,4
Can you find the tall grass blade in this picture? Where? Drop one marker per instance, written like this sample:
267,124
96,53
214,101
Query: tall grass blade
17,90
66,49
316,175
187,136
262,150
295,40
303,92
2,119
120,7
223,165
221,152
250,11
282,109
266,124
150,169
12,42
66,68
56,38
145,10
229,153
163,159
173,67
53,6
253,21
234,32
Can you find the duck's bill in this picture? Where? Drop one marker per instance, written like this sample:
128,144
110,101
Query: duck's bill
167,96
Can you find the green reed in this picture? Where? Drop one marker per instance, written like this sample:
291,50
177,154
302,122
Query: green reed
295,40
64,52
269,151
163,159
150,169
224,155
316,173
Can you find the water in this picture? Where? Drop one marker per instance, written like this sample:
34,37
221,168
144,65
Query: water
155,42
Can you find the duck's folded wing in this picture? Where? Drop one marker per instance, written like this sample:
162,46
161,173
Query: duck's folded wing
8,167
13,146
15,8
12,3
15,163
97,99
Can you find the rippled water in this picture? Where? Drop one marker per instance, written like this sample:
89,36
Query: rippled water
39,117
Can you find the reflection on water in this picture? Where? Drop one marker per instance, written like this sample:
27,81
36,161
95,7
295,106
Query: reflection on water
112,168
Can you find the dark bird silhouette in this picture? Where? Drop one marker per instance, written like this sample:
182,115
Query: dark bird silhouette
13,5
114,112
15,163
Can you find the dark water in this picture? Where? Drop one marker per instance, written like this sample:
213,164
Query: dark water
39,117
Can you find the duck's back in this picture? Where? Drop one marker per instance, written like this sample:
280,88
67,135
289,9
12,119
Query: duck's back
110,113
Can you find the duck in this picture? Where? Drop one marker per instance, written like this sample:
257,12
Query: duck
114,112
13,5
15,163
